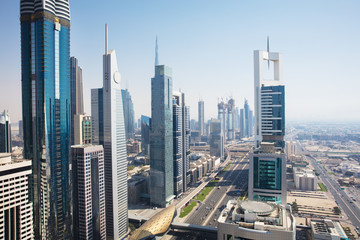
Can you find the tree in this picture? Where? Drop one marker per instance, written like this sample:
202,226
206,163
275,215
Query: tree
337,210
295,207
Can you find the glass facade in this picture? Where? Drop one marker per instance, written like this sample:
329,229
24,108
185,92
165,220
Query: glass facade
128,114
45,59
267,173
161,138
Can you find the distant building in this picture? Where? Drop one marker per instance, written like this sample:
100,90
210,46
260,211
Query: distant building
201,116
161,138
256,220
129,116
267,170
76,95
145,134
88,192
230,119
327,229
21,128
16,209
82,129
5,133
222,116
216,139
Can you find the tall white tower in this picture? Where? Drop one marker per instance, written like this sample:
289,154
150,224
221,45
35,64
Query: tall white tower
109,130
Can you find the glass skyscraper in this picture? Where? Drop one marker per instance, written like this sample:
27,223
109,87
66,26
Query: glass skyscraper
161,138
201,116
5,133
128,114
45,77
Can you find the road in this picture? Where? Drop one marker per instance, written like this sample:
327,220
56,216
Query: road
207,210
342,199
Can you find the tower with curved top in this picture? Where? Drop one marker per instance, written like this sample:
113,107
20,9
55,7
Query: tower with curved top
45,78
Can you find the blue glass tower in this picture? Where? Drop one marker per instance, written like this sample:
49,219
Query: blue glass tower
45,77
128,114
161,138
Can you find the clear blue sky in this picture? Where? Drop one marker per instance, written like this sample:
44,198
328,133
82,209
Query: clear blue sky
209,45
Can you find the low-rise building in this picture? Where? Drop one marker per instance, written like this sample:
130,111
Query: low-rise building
256,220
327,229
305,179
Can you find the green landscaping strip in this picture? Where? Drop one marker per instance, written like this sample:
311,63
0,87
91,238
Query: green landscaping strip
186,210
202,195
322,187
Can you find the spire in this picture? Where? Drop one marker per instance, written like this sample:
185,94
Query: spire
156,52
106,38
268,50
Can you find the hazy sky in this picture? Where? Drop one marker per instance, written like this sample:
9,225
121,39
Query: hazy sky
209,45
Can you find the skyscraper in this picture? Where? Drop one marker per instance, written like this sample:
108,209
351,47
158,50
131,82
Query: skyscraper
45,78
242,123
16,210
5,133
222,116
145,134
76,94
216,139
267,171
181,130
128,114
82,129
88,192
201,116
161,137
108,129
230,119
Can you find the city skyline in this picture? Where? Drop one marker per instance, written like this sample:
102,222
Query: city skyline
201,58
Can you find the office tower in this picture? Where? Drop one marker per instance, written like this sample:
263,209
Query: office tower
145,134
251,123
129,116
242,123
88,192
45,78
222,116
181,130
267,171
201,116
230,119
237,119
161,138
5,133
16,209
216,139
20,128
82,129
247,118
193,124
108,130
178,148
76,95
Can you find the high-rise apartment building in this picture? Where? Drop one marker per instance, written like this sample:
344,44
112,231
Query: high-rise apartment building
216,139
108,130
161,138
222,116
129,116
45,78
16,209
267,171
242,123
181,130
76,95
145,134
5,133
88,183
201,119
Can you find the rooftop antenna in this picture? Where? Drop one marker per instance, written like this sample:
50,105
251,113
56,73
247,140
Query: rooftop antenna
268,50
156,52
106,38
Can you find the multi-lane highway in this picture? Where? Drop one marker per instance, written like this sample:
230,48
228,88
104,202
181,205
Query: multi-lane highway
342,199
233,179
